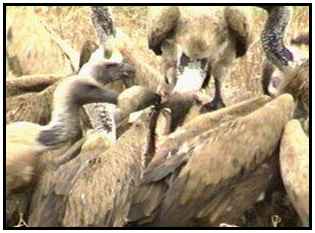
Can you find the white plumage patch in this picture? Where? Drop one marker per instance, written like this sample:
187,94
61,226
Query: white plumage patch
102,118
191,79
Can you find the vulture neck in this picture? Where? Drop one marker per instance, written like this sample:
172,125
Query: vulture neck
64,125
272,37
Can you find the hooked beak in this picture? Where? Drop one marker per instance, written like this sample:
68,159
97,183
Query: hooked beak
105,96
127,74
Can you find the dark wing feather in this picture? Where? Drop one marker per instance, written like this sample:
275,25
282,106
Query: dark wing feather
163,21
239,25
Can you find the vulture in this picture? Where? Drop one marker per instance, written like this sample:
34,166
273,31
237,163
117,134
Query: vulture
196,42
104,180
26,140
202,177
55,185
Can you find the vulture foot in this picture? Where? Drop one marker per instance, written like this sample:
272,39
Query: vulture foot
214,105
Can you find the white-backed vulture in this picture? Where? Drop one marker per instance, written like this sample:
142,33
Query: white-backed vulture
197,41
68,172
26,140
36,106
201,178
170,143
104,180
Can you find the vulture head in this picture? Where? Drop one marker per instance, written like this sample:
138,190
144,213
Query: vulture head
192,38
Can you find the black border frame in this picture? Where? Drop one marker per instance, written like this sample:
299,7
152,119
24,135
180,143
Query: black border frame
4,5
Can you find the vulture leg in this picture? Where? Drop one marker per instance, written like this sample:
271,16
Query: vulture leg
162,25
217,101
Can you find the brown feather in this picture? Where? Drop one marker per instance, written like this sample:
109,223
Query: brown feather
294,164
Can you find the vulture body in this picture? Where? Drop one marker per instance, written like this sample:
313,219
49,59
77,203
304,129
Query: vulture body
205,175
56,185
104,180
26,140
200,124
196,42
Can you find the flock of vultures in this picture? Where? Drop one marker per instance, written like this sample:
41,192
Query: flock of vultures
161,152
